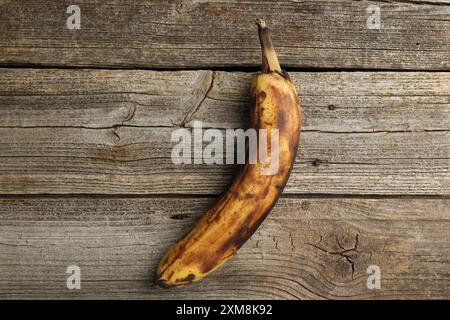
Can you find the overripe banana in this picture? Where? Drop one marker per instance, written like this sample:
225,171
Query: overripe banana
251,196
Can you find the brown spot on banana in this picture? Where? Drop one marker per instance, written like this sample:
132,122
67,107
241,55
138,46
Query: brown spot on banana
261,97
231,221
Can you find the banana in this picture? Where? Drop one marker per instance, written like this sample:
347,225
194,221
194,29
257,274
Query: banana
251,196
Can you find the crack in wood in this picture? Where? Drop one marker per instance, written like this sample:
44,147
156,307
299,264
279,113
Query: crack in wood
343,252
191,113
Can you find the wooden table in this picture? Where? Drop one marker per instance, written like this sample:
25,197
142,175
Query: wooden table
86,117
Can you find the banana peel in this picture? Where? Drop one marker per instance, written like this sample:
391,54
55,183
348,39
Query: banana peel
252,195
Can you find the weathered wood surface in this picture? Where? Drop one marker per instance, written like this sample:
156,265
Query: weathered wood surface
370,185
204,34
103,131
307,248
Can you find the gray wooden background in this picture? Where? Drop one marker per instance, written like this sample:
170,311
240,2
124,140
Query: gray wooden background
85,122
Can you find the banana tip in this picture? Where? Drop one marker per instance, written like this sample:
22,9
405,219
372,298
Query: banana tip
162,284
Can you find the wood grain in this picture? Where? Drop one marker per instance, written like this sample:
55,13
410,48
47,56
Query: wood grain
204,34
104,131
86,176
306,249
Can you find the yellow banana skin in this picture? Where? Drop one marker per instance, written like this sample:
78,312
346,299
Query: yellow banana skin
242,208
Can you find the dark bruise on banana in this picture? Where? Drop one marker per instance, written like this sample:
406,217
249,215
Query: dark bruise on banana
251,196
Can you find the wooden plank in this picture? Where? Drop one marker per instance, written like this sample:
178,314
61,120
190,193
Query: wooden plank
96,161
331,101
307,248
98,98
98,131
204,34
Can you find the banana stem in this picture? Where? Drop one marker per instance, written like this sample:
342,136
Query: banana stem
269,57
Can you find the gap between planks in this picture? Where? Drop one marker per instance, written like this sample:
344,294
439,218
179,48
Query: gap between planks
251,69
214,196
